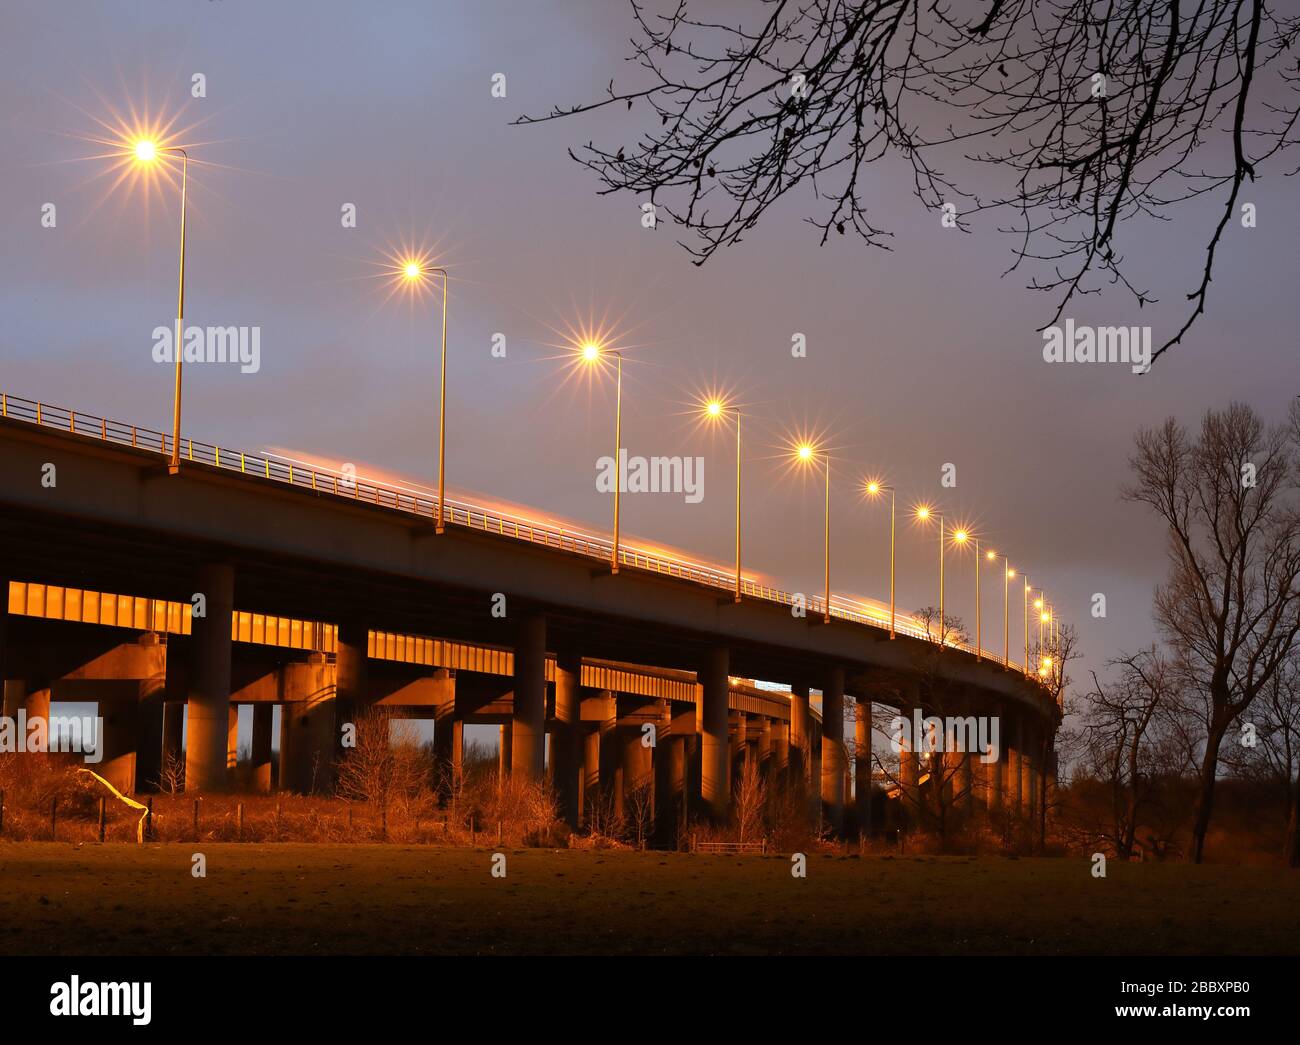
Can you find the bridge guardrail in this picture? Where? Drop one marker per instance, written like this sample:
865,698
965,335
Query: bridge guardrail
336,483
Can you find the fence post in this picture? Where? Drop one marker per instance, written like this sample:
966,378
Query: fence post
239,814
277,818
148,821
349,817
103,810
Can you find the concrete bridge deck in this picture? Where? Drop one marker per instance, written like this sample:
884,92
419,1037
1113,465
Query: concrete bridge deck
492,598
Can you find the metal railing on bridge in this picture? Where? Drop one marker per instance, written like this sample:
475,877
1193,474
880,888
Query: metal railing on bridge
345,485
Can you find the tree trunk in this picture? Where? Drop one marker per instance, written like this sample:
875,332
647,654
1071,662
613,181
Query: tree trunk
1205,799
1292,847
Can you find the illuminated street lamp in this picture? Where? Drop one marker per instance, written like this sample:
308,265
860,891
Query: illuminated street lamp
924,513
1007,574
874,489
715,409
1027,589
414,271
146,151
806,453
591,353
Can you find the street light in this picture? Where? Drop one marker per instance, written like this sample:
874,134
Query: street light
1007,574
1026,625
414,271
924,513
806,453
874,489
591,353
715,409
147,151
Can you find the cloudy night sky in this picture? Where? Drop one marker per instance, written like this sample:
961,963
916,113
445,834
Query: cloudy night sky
917,357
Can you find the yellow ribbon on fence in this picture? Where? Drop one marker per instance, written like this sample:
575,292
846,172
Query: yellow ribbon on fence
129,801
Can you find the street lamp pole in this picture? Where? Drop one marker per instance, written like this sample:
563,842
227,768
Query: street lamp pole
618,446
442,416
737,504
826,607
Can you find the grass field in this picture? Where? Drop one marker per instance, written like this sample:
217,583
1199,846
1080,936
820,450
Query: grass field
57,898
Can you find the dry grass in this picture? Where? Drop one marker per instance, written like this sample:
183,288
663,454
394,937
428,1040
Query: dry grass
362,899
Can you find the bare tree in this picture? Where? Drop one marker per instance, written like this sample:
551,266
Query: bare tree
1122,728
1230,607
1085,113
1270,752
385,766
750,800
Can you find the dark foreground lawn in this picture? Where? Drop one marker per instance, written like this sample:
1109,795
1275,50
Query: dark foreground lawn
56,898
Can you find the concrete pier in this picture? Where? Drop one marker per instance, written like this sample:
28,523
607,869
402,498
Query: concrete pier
209,687
834,757
263,715
715,783
528,716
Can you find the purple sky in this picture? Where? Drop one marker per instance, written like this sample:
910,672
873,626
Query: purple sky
916,358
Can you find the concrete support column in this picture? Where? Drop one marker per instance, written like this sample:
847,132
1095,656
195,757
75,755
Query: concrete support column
263,714
800,746
15,694
738,730
834,760
1029,771
351,699
36,702
566,739
993,771
505,751
765,746
173,739
862,765
907,766
232,738
209,689
446,756
149,748
638,766
590,767
4,626
780,751
715,782
964,785
117,745
1015,778
528,719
